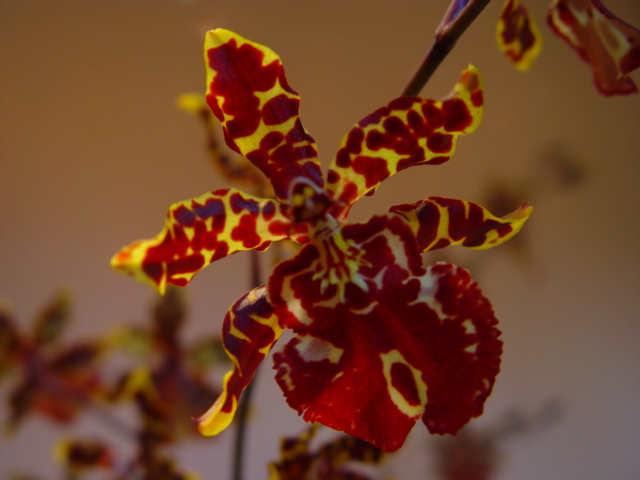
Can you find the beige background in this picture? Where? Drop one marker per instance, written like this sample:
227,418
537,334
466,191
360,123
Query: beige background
93,151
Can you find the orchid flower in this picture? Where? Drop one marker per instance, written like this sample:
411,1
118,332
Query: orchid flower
169,387
609,45
343,458
82,458
55,380
380,341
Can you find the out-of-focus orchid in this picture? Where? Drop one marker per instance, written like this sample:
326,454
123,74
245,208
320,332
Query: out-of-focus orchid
55,381
476,454
81,458
234,168
78,456
380,340
517,34
343,458
170,389
609,45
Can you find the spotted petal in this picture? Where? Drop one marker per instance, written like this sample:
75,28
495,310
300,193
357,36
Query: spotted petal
400,344
249,331
409,131
439,222
610,46
518,35
200,231
248,92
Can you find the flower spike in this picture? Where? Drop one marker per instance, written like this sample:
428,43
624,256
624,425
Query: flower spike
409,131
248,91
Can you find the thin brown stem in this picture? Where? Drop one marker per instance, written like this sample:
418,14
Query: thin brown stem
245,401
447,35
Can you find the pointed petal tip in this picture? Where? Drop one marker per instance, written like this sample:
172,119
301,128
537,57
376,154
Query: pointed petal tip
128,260
214,420
522,213
470,79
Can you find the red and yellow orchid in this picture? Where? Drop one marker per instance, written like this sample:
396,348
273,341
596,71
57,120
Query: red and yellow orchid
380,341
54,380
609,45
518,35
343,458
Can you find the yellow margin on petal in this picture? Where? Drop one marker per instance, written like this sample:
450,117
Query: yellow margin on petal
411,411
214,420
134,254
220,36
528,56
516,219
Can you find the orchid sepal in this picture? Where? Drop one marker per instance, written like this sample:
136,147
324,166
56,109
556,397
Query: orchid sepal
248,92
440,222
409,131
199,231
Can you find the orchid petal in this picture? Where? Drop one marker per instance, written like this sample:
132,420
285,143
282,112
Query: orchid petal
518,35
200,231
409,131
249,331
610,46
248,92
440,222
393,344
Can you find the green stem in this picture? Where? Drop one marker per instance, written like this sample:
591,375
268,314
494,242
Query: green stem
245,401
447,35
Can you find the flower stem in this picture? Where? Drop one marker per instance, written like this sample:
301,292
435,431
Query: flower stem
452,26
245,401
